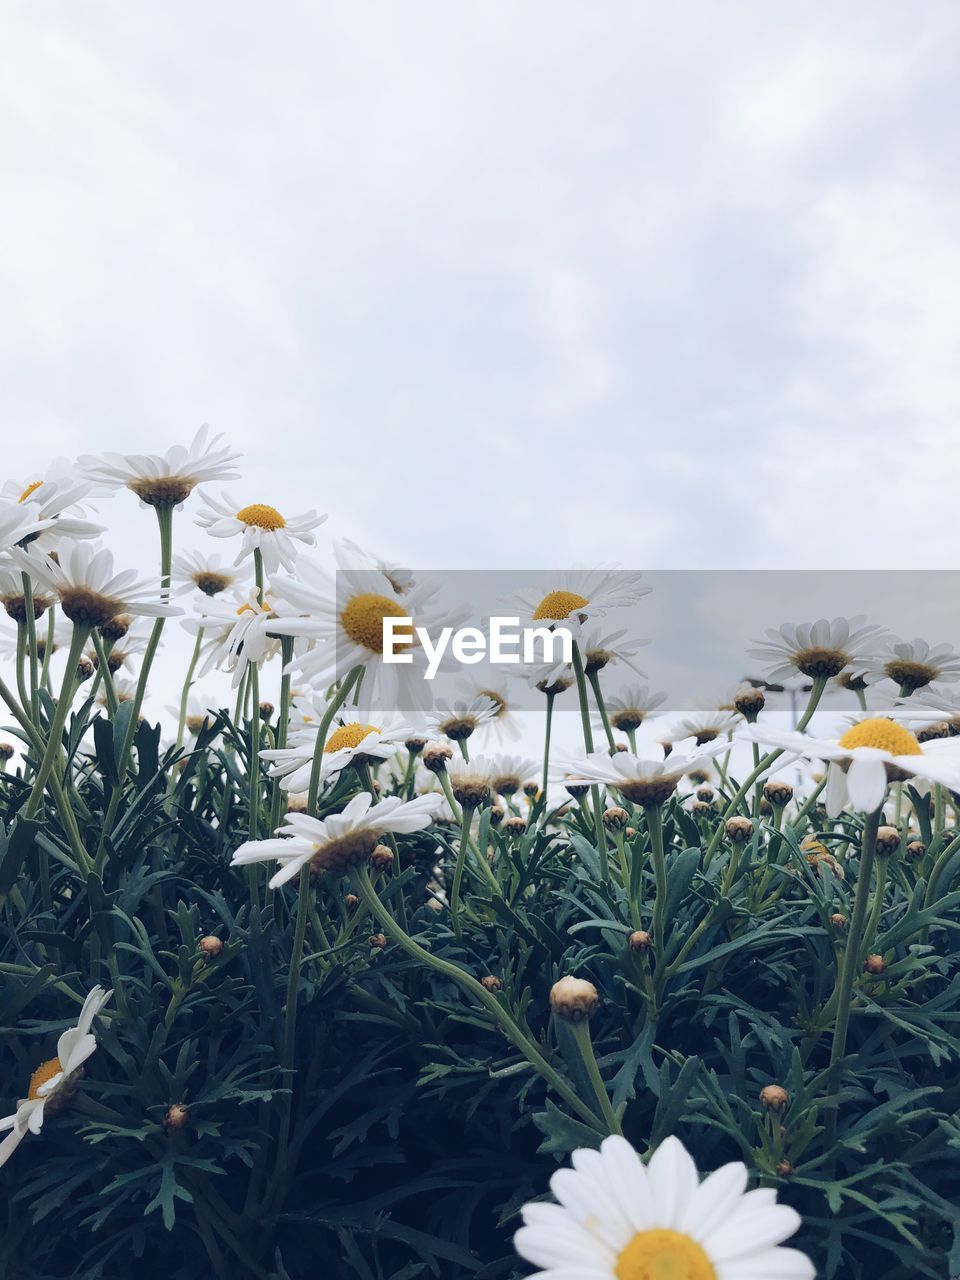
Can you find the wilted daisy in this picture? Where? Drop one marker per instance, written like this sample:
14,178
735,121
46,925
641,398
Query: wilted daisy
618,1219
90,593
461,718
260,528
816,649
578,595
650,779
352,741
197,571
866,758
54,1081
164,479
345,620
340,841
913,664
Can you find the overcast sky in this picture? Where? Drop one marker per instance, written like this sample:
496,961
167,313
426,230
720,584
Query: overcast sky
543,283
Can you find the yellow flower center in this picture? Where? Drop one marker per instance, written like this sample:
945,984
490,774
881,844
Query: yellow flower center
663,1255
46,1071
349,735
884,734
362,619
261,516
31,488
557,605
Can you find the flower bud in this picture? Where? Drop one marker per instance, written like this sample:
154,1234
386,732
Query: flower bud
838,920
773,1097
491,982
84,669
415,745
378,941
436,755
739,830
875,964
888,841
749,702
574,999
515,826
177,1117
115,628
706,794
351,901
577,789
640,941
296,803
266,710
211,946
701,810
779,793
916,849
382,858
531,790
615,818
496,815
784,1169
6,750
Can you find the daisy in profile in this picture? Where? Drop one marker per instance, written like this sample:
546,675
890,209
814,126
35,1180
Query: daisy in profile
933,704
54,1082
349,556
913,664
197,571
619,1219
706,726
650,779
164,479
58,495
820,650
344,619
504,726
576,596
237,631
89,592
632,706
260,528
352,742
340,841
21,523
12,596
461,718
866,758
602,649
123,652
509,773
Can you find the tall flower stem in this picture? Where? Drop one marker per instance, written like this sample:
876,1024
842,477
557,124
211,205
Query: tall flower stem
55,739
588,744
850,964
581,1038
658,858
465,818
594,678
103,670
187,683
472,987
283,725
31,621
550,696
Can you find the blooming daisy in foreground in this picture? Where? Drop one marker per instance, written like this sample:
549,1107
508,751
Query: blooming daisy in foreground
914,664
346,618
338,842
57,495
260,528
575,596
650,779
89,591
196,571
166,479
619,1219
816,649
866,758
53,1082
351,742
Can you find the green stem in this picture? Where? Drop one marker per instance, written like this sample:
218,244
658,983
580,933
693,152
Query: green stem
594,678
465,817
185,695
581,1038
55,740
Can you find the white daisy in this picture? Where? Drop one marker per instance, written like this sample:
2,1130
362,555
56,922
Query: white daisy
345,620
913,664
340,841
459,719
618,1219
167,479
260,528
817,649
122,654
602,649
20,523
197,571
349,556
509,773
578,595
351,742
12,596
628,710
866,758
236,632
58,495
504,726
932,704
649,779
89,591
53,1081
705,726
